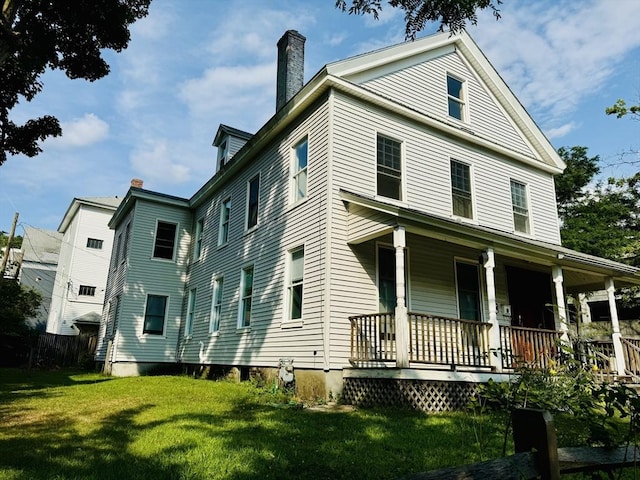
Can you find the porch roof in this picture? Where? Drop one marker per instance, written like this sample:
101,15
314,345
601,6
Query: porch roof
582,272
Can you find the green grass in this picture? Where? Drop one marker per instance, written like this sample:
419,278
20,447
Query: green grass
66,425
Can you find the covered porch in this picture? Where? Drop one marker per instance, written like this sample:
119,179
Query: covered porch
458,297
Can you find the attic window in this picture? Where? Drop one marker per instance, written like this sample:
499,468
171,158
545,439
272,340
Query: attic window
455,95
222,154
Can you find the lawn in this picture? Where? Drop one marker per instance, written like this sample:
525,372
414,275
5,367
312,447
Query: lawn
72,425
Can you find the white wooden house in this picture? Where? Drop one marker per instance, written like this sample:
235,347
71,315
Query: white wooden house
394,220
81,274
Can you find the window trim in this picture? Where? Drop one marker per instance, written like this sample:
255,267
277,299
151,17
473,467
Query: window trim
215,312
241,297
296,172
95,241
461,101
175,241
89,291
248,227
472,218
155,333
527,199
190,314
288,321
402,188
127,239
224,223
116,258
198,239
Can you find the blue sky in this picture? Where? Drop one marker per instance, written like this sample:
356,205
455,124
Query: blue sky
193,65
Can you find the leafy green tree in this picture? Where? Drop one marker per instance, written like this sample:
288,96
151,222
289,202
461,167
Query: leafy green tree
17,304
579,172
620,109
16,242
451,14
37,35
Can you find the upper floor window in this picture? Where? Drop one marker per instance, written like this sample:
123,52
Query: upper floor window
299,170
154,314
125,247
246,293
197,248
87,290
389,168
455,96
165,240
225,214
520,206
253,198
296,280
191,308
222,154
461,189
94,243
216,305
116,257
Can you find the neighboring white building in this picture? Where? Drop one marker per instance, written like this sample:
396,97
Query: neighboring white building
395,219
41,249
83,265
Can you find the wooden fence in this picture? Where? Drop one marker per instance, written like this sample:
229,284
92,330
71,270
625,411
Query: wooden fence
63,350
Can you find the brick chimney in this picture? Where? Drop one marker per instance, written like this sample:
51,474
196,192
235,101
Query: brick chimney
137,183
290,67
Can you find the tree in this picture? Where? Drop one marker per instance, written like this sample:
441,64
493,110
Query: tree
36,35
17,304
600,219
452,14
620,109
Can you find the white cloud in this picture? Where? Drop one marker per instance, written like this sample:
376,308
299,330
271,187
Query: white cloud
81,132
154,162
560,131
554,55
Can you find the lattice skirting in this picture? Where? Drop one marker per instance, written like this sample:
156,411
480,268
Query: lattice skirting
428,396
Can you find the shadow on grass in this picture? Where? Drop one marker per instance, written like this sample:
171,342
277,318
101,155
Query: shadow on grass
243,440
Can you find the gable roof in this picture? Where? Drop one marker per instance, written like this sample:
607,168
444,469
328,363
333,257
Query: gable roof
369,65
226,130
106,203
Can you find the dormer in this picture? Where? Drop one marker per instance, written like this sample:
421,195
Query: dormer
229,140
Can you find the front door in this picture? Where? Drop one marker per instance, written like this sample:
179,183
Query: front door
531,299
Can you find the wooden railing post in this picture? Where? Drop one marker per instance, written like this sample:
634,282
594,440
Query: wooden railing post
534,429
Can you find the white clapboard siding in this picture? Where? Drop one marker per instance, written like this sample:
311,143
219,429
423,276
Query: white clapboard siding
427,157
281,227
423,87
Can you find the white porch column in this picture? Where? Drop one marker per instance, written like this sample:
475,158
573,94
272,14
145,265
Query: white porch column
402,323
494,332
615,325
561,317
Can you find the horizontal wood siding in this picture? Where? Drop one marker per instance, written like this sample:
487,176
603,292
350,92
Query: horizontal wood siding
427,157
146,275
281,227
423,87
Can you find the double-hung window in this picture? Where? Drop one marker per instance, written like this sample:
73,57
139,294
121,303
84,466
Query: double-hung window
299,170
216,305
246,293
389,168
253,199
94,243
191,308
87,290
127,239
225,215
520,207
154,314
296,281
197,248
455,97
165,240
461,189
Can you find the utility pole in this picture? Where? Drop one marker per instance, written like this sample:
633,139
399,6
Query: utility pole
8,249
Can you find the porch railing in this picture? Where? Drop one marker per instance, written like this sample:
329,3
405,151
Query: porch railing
631,349
528,346
373,337
448,341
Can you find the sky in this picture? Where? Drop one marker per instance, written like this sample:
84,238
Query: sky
191,66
